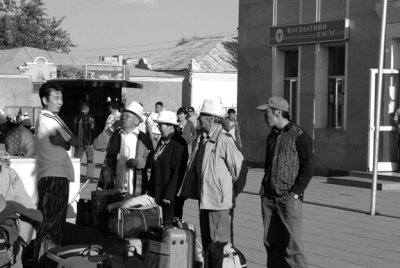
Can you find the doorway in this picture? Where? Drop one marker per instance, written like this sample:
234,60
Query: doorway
388,150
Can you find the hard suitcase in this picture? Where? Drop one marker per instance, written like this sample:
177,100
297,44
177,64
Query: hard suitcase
131,222
171,247
73,256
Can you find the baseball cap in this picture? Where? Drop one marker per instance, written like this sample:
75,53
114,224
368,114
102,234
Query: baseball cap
275,102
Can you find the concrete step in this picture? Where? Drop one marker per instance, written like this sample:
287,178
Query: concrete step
385,176
382,185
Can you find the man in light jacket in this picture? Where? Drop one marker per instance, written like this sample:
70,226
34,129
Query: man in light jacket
214,166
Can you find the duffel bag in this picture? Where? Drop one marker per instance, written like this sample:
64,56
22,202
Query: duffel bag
130,222
100,200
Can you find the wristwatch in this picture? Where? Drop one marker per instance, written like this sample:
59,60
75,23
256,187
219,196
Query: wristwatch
295,196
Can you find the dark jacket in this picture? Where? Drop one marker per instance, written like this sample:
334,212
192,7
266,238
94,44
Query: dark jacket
289,161
189,132
168,169
84,128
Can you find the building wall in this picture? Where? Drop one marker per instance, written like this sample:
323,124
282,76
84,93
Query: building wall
17,91
217,86
169,91
261,72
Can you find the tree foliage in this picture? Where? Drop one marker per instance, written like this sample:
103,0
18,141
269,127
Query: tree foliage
28,24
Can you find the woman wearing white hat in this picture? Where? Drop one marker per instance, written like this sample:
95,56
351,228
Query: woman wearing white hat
168,166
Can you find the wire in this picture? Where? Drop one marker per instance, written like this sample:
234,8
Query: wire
148,44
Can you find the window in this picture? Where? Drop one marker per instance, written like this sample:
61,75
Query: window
336,86
290,83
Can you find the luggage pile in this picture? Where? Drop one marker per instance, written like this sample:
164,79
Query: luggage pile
114,229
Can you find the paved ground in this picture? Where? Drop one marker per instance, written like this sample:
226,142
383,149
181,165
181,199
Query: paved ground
338,230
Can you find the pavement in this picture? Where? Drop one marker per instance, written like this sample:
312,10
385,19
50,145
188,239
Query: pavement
338,230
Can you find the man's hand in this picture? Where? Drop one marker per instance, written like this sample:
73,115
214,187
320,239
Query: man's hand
131,163
166,201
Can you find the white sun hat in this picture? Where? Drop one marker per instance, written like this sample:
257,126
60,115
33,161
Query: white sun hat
212,107
135,108
167,117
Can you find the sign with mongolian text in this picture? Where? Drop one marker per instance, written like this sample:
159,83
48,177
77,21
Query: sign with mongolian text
317,32
104,71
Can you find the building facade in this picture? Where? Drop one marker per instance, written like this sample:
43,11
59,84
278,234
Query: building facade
322,56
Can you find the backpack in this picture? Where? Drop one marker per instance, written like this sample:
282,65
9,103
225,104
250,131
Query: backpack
224,255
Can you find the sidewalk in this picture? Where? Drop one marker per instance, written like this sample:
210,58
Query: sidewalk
338,230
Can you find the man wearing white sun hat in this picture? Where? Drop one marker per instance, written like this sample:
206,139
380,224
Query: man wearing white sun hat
168,165
129,153
215,164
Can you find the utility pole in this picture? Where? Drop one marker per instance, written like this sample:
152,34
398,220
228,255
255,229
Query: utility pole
378,98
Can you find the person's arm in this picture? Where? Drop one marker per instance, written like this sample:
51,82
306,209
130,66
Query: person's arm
193,133
63,136
237,136
58,140
233,157
306,158
20,194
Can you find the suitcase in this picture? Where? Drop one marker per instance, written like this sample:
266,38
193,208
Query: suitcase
170,247
73,256
183,224
131,222
100,201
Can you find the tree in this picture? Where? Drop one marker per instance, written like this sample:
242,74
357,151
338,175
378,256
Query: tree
28,24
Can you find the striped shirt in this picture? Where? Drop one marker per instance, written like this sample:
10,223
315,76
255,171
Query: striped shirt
52,160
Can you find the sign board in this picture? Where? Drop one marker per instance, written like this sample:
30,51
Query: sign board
104,71
317,32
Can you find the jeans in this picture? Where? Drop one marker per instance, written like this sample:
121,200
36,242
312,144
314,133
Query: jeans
89,151
282,218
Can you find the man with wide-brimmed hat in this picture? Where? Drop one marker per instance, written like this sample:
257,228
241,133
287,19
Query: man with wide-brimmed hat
129,152
168,165
214,166
288,170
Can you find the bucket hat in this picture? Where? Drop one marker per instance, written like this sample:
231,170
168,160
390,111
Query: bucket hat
135,108
212,107
167,117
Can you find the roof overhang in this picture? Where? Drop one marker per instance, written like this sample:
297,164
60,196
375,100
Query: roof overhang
97,83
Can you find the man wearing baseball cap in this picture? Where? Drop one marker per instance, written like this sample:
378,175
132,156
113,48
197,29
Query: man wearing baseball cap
288,170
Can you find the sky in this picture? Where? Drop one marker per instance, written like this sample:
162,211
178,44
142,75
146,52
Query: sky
134,28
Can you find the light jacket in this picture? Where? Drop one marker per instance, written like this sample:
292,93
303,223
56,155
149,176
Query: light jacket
220,167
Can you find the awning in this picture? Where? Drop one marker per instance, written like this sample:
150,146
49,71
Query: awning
96,83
